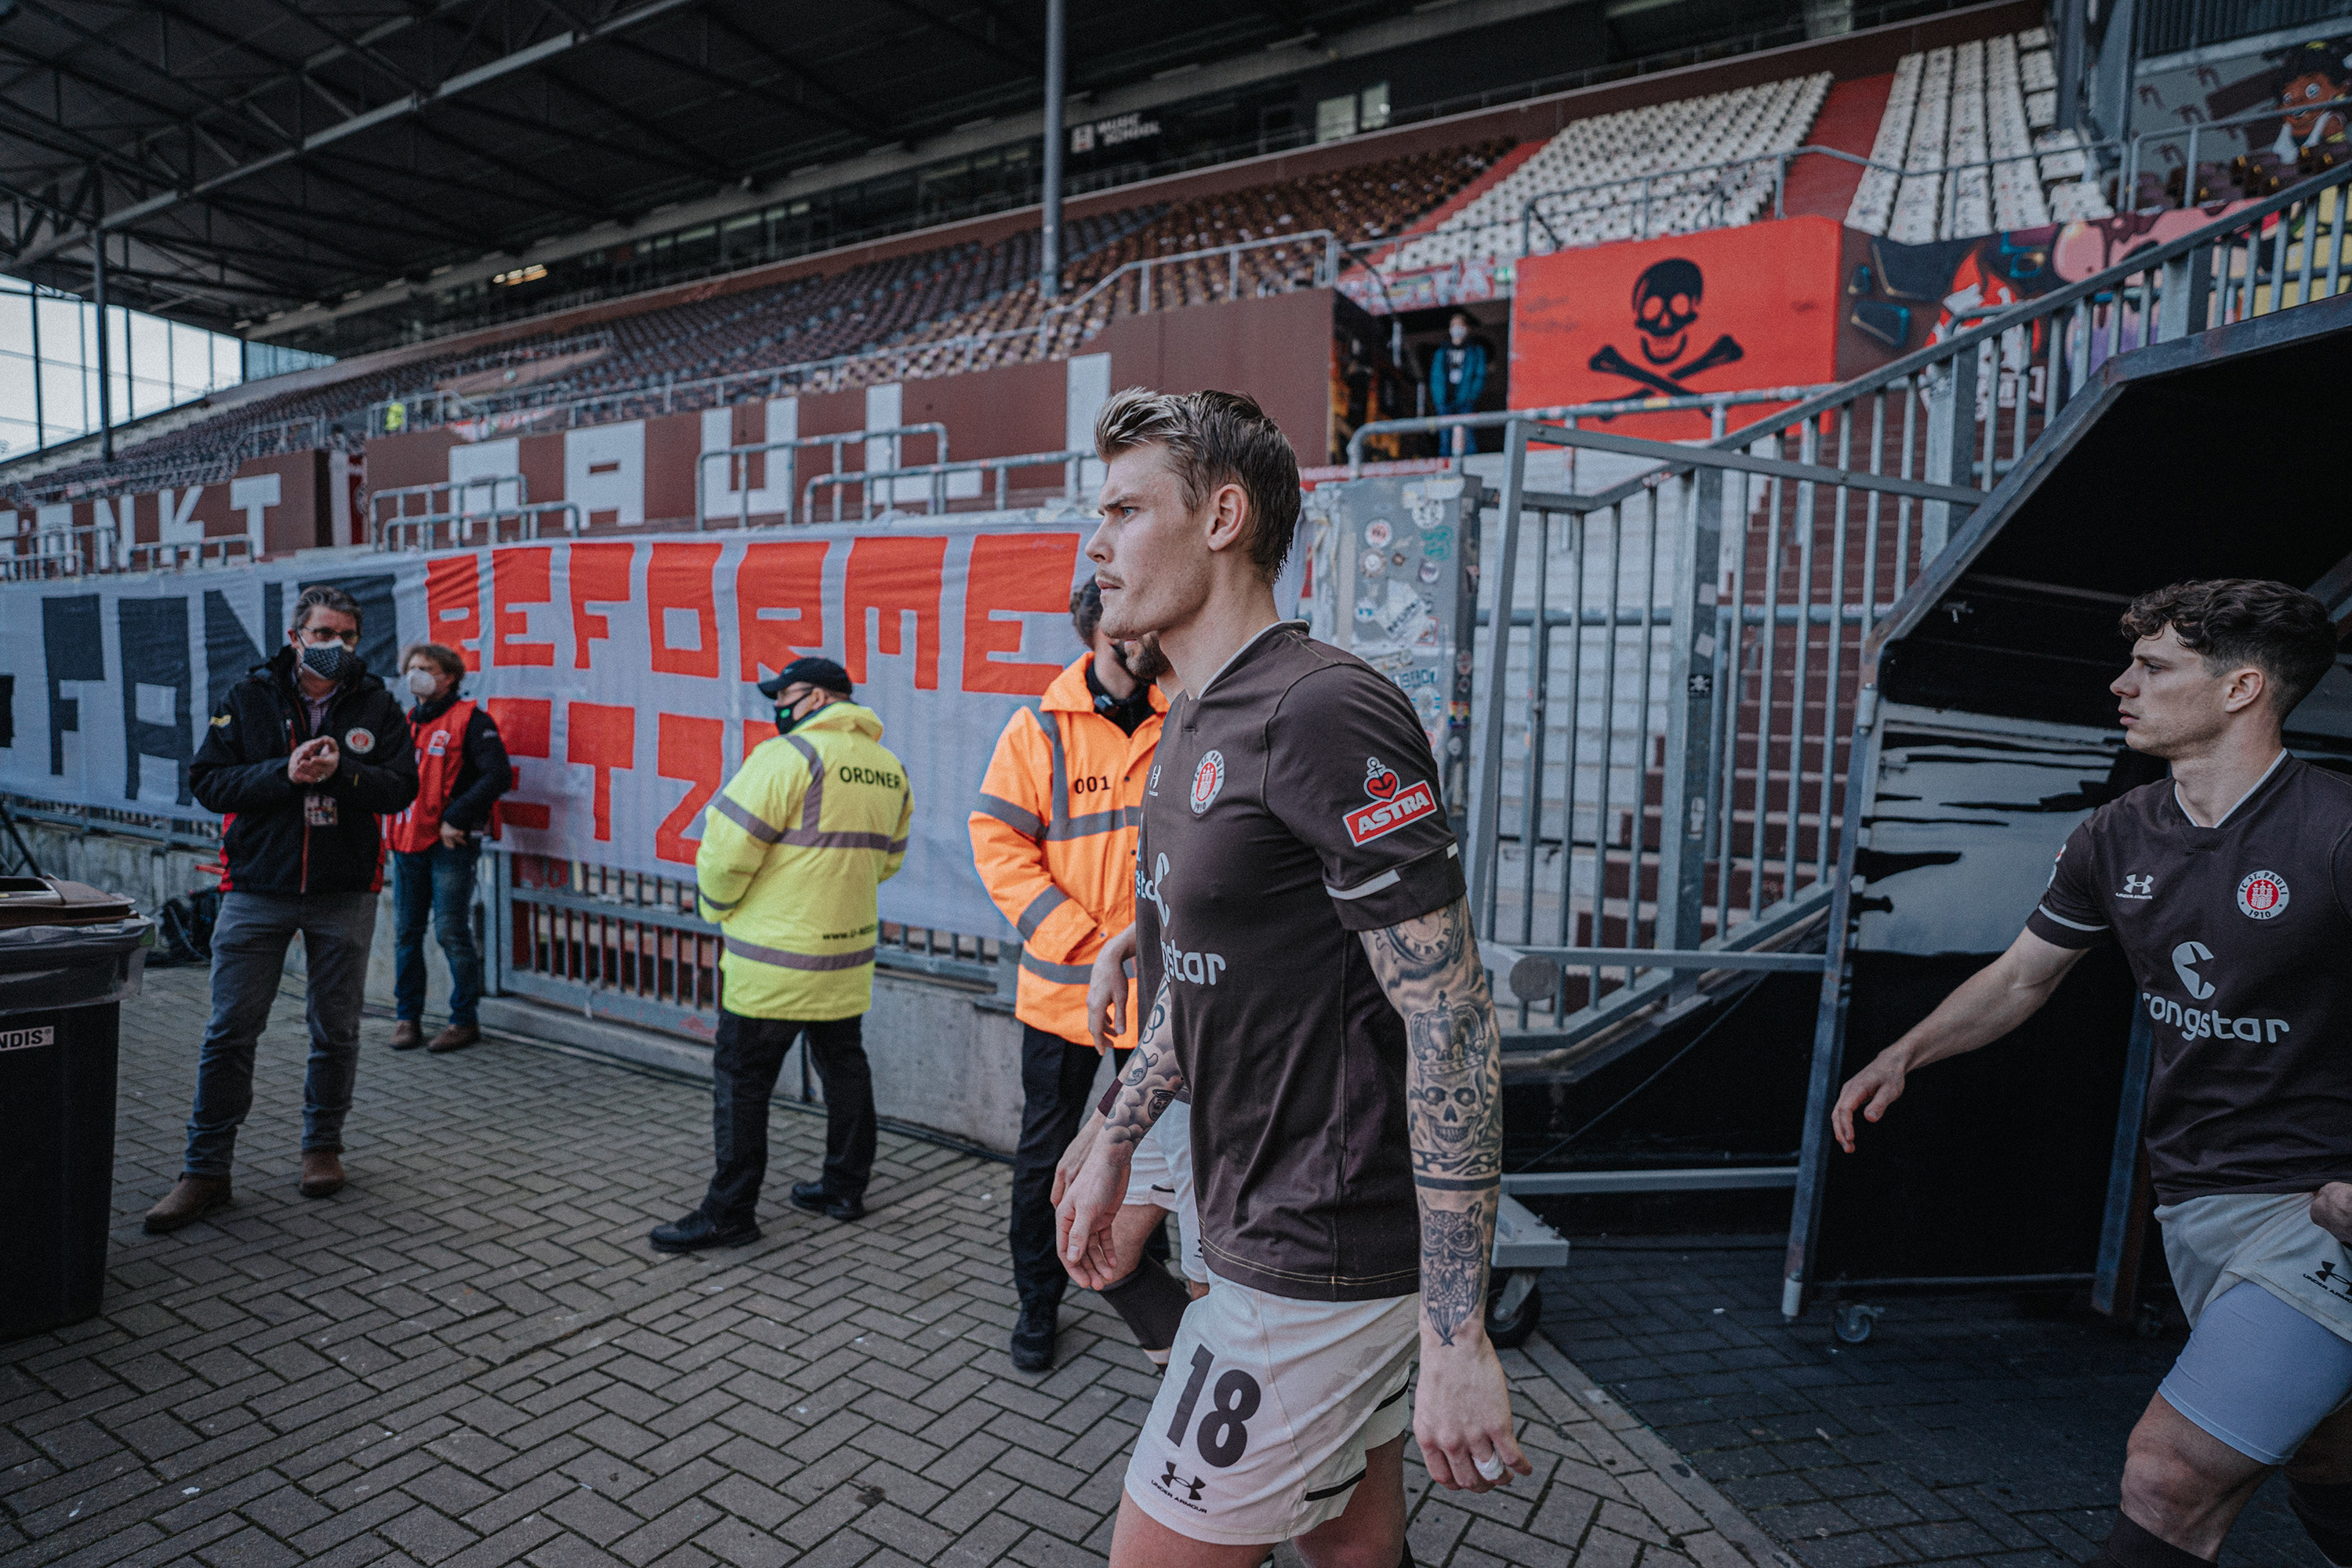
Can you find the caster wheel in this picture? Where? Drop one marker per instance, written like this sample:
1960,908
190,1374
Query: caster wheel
1512,1312
1854,1323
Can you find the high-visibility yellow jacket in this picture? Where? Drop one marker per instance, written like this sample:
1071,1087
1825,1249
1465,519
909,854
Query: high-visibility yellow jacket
1054,836
793,850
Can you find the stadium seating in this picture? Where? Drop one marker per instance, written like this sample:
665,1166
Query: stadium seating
971,305
1613,153
1990,101
959,306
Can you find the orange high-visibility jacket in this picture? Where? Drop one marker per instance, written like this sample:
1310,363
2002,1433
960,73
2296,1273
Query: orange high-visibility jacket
1053,836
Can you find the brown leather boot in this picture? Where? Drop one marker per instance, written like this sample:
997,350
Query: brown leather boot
406,1035
322,1173
188,1201
456,1038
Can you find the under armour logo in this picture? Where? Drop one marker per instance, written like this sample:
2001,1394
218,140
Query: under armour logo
2138,887
1172,1480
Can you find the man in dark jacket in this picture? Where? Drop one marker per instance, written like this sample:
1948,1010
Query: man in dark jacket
300,759
461,771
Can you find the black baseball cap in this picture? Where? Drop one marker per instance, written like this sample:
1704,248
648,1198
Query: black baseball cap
822,673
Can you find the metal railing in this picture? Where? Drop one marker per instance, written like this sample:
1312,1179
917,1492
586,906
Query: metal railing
1714,404
738,464
628,945
445,497
1071,461
2127,186
217,550
496,525
1667,722
37,554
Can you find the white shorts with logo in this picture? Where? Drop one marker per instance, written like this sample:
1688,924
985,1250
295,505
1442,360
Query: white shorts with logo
1160,1171
1268,1409
2269,1298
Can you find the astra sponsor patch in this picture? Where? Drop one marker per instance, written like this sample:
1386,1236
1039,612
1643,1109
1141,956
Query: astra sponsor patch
1393,805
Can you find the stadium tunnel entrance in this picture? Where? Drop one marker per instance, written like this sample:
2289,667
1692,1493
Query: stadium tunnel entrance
2020,1165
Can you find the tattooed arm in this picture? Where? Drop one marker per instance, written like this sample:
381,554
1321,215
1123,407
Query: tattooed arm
1453,1076
1091,1202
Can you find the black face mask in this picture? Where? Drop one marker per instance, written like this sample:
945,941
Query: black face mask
785,720
327,660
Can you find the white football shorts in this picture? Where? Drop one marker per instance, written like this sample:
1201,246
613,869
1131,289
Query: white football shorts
1268,1409
1160,1171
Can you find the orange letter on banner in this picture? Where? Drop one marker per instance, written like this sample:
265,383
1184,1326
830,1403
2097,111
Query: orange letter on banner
453,606
1012,573
517,576
896,577
602,738
678,578
599,575
524,723
779,605
687,749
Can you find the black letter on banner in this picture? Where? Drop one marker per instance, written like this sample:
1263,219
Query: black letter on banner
74,650
229,654
7,711
154,633
379,625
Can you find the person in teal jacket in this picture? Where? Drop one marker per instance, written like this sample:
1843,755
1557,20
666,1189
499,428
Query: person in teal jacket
1457,374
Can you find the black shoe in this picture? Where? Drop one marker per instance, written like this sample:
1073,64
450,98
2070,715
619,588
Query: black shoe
698,1231
811,1196
1033,1338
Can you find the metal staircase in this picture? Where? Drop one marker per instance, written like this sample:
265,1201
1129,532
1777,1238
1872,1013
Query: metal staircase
1665,728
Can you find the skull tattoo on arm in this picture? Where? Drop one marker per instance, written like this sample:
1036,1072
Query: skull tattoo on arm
1430,971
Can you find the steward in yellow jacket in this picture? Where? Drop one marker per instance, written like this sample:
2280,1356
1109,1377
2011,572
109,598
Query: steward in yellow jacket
792,851
1052,837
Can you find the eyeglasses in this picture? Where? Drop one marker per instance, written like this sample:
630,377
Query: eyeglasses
319,637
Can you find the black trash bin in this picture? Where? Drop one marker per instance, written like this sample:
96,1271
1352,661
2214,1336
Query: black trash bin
68,955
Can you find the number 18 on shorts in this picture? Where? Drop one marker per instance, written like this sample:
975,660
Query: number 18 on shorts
1268,1409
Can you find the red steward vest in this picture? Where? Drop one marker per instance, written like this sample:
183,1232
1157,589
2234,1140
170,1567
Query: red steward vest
440,755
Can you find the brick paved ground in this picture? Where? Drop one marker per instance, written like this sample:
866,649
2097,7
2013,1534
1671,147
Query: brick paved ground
1967,1429
470,1358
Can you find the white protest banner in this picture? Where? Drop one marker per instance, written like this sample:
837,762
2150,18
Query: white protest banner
620,669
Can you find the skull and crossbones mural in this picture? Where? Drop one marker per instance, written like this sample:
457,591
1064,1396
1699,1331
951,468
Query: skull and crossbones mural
1666,300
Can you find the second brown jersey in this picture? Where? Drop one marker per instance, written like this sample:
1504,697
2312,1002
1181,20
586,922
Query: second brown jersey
1293,805
2239,936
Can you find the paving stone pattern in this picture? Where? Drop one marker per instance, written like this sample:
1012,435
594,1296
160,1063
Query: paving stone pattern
1967,1429
470,1357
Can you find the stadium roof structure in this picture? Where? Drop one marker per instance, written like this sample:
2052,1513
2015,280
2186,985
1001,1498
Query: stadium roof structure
244,158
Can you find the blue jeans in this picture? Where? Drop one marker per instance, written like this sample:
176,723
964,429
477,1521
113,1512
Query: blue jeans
438,881
248,957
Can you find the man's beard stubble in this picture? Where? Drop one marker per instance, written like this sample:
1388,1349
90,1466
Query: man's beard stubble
1146,663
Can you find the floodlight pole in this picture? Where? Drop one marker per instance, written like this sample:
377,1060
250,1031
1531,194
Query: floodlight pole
1049,275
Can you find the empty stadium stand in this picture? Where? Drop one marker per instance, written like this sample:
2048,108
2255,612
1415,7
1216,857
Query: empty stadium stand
1639,172
1970,127
961,306
1710,160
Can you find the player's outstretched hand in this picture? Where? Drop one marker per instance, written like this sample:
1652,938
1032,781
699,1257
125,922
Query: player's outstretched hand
1106,989
1871,1091
1082,1219
1462,1414
2331,1210
1075,1156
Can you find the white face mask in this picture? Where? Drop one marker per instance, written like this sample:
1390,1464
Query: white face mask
422,683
